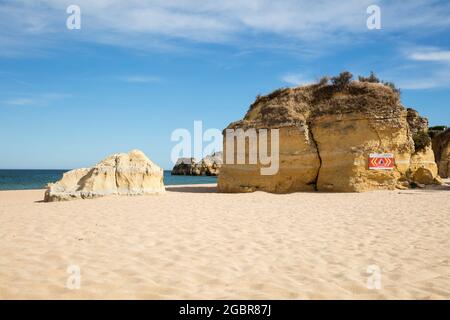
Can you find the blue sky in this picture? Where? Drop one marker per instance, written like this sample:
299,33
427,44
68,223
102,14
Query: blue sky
138,70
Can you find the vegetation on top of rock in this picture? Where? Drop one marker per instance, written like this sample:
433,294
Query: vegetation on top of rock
444,136
328,131
342,80
438,128
372,78
421,141
323,81
392,86
287,106
271,95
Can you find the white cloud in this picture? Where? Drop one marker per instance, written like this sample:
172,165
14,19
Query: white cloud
34,100
19,102
431,82
436,56
306,27
160,23
421,68
296,79
140,79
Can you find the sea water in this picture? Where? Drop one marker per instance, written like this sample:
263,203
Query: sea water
38,179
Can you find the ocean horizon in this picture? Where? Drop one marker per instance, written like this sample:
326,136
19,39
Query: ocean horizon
29,179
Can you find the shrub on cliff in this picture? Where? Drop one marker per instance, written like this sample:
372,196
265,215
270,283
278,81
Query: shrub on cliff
436,130
342,80
323,81
421,140
372,78
392,86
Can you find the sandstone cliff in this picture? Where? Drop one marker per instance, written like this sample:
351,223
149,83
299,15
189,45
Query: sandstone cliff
416,123
119,174
208,166
441,148
326,134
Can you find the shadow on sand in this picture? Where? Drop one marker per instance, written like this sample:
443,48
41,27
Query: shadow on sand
430,189
193,189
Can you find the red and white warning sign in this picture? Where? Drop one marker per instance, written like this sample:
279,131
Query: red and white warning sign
383,161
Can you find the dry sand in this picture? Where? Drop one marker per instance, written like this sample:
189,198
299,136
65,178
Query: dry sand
195,243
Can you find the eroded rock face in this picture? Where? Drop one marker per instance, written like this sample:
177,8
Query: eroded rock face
441,148
423,168
326,136
208,166
119,174
298,166
183,167
416,122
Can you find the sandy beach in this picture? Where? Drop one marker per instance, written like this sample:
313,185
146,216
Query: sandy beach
194,243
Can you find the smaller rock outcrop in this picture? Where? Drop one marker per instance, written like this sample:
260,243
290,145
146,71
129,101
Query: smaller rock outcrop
423,169
208,166
183,167
118,174
441,148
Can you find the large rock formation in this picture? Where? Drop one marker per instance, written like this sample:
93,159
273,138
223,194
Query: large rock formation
326,134
208,166
441,148
119,174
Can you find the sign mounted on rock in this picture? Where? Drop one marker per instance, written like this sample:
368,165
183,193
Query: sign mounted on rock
384,161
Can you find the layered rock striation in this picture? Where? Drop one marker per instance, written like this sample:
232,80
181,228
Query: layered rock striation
326,134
